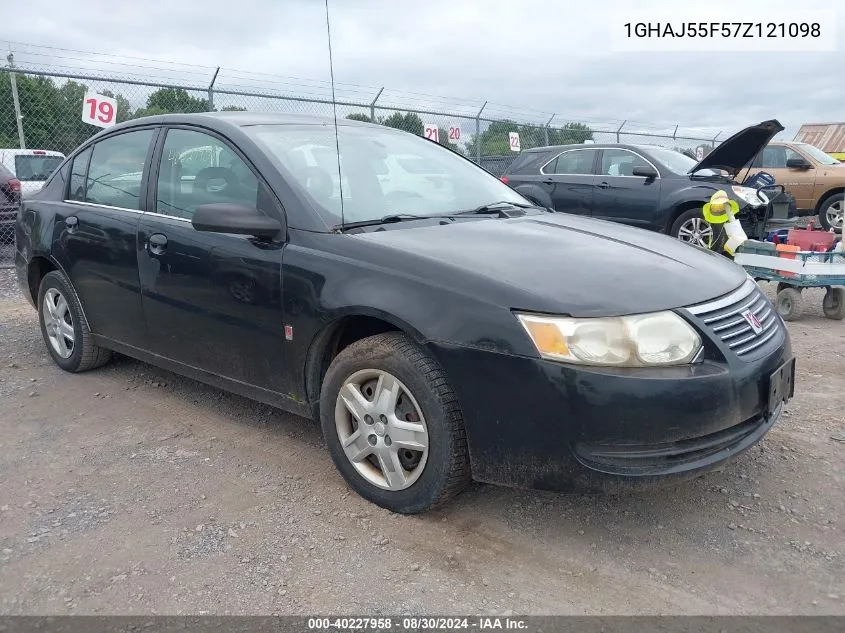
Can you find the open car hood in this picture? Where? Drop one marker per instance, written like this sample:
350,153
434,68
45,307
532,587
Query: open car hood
736,152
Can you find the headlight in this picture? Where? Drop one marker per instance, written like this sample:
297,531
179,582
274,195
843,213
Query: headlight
643,340
749,195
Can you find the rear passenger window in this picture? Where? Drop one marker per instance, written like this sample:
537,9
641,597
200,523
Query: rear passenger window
574,162
78,171
117,164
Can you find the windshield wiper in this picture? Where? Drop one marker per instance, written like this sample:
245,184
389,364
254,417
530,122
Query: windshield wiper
493,207
387,219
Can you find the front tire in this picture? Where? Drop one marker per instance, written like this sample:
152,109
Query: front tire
832,212
63,326
393,425
692,228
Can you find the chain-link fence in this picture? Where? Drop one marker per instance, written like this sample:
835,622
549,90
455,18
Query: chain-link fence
41,109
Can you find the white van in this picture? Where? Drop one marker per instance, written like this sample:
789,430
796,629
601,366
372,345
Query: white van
31,166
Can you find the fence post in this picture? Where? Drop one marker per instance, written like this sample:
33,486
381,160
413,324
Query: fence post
675,133
713,142
211,89
478,134
373,105
18,116
546,129
620,129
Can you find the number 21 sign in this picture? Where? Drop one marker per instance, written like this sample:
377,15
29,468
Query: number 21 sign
99,110
431,132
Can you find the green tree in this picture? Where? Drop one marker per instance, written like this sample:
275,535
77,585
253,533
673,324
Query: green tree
358,116
409,121
169,100
571,133
494,141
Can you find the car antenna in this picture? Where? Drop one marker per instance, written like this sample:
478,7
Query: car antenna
334,111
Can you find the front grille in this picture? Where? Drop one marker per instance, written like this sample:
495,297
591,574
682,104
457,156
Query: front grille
726,318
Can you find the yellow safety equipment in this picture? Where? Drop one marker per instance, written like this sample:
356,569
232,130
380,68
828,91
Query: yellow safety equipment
720,209
721,212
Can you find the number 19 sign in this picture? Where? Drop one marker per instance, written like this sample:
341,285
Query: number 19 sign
99,110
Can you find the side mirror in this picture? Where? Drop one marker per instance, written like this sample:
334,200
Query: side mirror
235,218
798,163
645,172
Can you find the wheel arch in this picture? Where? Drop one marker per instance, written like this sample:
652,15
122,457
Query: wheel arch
827,195
535,193
37,268
679,209
345,329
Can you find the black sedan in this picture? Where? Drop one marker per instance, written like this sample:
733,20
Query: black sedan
646,186
439,332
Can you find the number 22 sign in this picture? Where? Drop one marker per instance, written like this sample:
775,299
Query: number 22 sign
99,110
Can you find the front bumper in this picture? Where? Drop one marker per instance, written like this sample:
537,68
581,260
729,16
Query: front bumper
540,424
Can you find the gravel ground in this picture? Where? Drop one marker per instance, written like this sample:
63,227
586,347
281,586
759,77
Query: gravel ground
128,490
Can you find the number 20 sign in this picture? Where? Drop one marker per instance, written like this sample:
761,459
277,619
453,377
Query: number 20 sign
99,110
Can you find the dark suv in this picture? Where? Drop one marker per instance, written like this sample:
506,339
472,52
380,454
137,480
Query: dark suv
644,185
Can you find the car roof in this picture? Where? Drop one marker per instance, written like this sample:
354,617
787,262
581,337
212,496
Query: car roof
223,120
556,148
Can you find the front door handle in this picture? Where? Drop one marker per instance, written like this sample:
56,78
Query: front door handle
71,222
602,185
548,181
157,244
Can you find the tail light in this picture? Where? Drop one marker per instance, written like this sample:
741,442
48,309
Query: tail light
39,152
504,179
14,184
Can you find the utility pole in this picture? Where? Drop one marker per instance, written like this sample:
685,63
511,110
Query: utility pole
18,116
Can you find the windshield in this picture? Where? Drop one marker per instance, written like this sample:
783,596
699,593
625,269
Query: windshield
384,172
816,154
36,167
676,162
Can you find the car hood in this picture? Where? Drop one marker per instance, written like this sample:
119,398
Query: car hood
735,153
562,264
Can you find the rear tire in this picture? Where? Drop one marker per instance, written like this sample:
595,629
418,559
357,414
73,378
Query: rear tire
834,304
63,326
832,211
426,462
789,304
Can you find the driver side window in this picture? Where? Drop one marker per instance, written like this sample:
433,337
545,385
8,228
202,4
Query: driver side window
773,157
198,169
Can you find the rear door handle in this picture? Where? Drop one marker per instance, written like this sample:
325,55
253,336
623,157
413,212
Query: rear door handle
71,222
548,181
602,185
157,244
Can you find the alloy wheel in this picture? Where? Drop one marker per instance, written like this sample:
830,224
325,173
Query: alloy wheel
381,429
835,214
58,323
696,231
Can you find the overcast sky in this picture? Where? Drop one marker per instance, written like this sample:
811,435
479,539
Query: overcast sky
550,56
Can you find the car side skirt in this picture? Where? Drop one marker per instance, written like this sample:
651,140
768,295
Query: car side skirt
265,396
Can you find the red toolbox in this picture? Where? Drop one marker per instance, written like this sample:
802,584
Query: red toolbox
811,239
